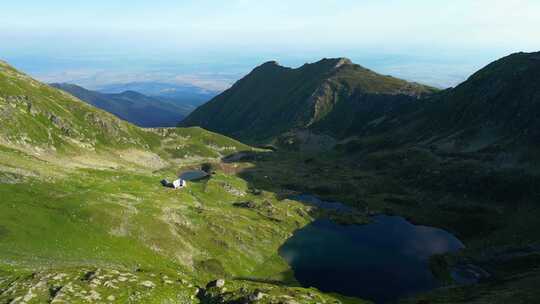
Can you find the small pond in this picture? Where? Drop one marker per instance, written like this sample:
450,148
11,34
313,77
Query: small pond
193,175
381,261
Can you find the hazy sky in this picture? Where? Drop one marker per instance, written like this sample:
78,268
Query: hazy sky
435,41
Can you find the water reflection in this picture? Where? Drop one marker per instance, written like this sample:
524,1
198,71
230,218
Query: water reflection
193,175
382,261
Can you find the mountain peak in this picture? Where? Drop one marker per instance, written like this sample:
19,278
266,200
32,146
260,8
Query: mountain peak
335,62
131,93
271,63
268,66
341,61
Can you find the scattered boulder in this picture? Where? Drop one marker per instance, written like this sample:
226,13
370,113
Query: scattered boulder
256,191
88,276
256,296
247,204
148,284
216,283
208,168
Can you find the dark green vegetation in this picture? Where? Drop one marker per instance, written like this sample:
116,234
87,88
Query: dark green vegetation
132,106
494,114
494,211
84,218
272,100
464,159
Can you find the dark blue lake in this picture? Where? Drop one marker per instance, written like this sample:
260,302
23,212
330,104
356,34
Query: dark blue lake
193,175
381,261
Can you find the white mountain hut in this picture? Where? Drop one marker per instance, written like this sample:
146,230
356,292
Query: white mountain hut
179,183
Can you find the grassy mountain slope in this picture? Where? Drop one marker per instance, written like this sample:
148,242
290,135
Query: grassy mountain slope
493,115
272,99
38,116
132,106
498,105
83,217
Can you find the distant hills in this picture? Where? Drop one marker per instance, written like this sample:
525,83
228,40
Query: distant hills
184,94
327,95
137,108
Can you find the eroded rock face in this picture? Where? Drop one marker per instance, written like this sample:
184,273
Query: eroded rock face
62,125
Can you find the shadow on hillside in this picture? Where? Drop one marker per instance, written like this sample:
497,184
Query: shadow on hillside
288,282
286,173
465,196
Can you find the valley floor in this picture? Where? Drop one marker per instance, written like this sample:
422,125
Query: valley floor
82,235
98,235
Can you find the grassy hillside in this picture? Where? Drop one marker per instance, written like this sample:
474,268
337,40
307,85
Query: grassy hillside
84,218
272,99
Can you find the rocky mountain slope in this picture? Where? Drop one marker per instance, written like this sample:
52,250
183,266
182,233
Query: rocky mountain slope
84,218
272,99
131,106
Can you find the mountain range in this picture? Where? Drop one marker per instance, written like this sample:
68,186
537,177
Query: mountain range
495,109
272,99
180,93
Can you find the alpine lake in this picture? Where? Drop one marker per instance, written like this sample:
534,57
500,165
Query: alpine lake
382,261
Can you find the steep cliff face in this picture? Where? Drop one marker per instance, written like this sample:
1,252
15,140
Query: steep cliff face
273,100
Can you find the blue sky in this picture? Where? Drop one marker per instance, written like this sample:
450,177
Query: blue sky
435,41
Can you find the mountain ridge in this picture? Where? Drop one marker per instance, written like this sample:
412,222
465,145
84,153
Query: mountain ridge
272,99
493,110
